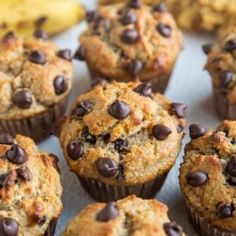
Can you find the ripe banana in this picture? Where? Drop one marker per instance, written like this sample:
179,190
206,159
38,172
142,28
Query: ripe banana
52,16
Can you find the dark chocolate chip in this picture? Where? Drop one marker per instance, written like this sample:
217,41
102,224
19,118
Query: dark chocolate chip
207,48
40,34
83,108
136,4
173,229
130,36
225,78
107,167
161,7
60,84
225,210
65,54
41,21
164,30
87,136
16,155
161,132
23,173
75,149
39,220
196,131
37,57
109,212
121,145
23,99
8,36
8,227
106,138
80,54
119,110
128,17
91,16
231,166
230,45
179,109
97,22
3,179
197,178
144,89
135,66
6,139
98,81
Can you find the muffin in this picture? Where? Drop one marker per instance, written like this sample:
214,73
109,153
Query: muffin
121,139
129,216
221,66
207,179
35,80
128,42
30,188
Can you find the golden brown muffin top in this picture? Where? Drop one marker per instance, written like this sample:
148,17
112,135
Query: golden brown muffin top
34,74
30,187
124,41
122,133
130,216
208,174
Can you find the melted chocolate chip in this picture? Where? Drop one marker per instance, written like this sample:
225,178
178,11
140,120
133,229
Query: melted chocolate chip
225,78
230,45
135,66
60,84
6,139
128,17
161,132
83,108
144,89
136,4
179,109
23,173
75,149
3,179
207,48
231,166
87,136
107,167
225,210
80,54
119,110
161,7
164,30
121,145
109,212
40,34
8,227
173,229
130,36
37,57
197,178
23,99
65,54
196,131
16,155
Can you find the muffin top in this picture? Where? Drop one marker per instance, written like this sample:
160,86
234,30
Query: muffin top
127,40
221,63
208,174
30,187
34,74
122,133
129,216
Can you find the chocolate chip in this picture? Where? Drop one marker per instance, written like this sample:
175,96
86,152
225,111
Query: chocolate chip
173,229
40,21
109,212
8,227
107,167
16,155
37,57
39,220
106,138
179,109
161,7
161,132
207,48
119,110
130,36
121,145
196,131
136,4
83,108
75,149
98,81
8,37
23,173
128,17
135,66
80,54
91,16
230,45
197,178
65,54
60,84
23,99
231,166
3,179
6,139
144,89
164,30
225,210
87,136
40,34
225,78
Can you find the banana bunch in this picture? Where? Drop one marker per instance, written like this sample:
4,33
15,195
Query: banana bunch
51,16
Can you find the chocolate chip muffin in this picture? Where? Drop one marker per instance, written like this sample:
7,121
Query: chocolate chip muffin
131,41
129,216
30,188
207,179
121,139
221,66
35,80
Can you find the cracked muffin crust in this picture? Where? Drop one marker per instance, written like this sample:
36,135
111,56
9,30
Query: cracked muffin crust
125,217
121,135
126,42
35,77
30,188
221,66
207,178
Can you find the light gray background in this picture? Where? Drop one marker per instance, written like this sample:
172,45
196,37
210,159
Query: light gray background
190,84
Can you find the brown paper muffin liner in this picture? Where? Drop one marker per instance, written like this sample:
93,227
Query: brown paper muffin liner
106,193
51,228
202,226
37,127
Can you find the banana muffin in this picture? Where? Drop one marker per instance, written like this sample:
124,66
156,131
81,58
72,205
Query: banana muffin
129,216
121,139
208,179
35,80
131,41
30,188
221,66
